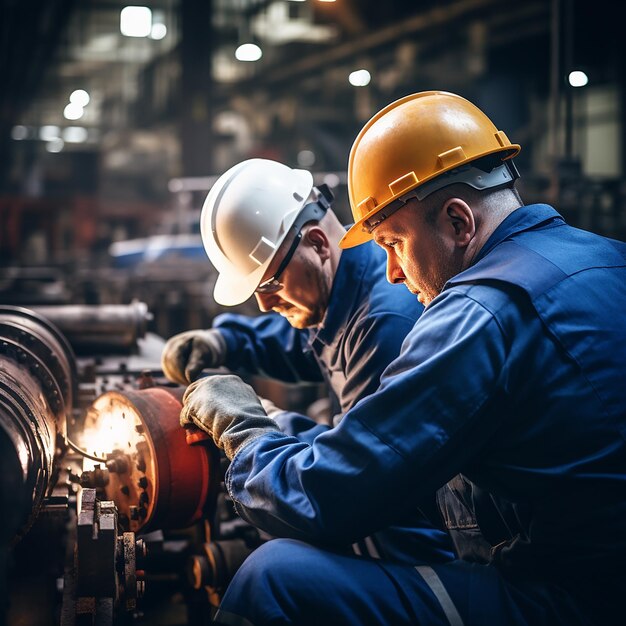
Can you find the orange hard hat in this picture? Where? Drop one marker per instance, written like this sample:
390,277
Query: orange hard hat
412,141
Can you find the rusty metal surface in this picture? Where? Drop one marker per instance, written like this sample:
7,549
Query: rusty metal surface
155,479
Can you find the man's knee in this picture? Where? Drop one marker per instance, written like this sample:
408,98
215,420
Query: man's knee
272,567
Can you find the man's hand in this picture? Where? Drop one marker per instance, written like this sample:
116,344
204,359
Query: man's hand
185,355
270,408
228,410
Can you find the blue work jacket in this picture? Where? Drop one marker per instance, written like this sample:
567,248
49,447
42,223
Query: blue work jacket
514,378
362,332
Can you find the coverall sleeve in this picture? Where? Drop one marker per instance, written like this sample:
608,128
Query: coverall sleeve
299,426
396,446
267,345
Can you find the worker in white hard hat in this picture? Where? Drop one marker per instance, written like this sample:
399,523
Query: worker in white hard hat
329,315
508,397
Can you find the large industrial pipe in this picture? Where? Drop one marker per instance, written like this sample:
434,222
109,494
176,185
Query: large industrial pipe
108,327
37,387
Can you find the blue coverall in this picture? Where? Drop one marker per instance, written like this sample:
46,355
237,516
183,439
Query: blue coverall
512,382
362,331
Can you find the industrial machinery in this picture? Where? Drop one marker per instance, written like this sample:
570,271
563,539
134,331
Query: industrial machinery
107,515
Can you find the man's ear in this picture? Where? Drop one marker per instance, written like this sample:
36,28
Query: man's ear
460,218
318,240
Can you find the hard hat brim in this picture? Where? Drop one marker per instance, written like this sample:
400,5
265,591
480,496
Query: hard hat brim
234,289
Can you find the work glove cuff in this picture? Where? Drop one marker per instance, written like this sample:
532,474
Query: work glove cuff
228,409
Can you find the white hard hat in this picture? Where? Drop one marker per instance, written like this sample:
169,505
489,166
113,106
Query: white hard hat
245,218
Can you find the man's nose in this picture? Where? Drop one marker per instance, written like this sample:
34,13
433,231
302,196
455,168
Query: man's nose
395,274
266,301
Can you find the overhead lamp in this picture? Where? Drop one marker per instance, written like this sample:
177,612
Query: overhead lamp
136,21
577,78
73,111
79,97
359,78
75,134
48,133
248,52
332,180
158,31
306,158
56,145
19,132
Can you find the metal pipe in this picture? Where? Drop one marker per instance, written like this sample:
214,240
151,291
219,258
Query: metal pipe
107,327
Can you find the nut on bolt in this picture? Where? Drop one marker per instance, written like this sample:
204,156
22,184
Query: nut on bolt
141,548
141,588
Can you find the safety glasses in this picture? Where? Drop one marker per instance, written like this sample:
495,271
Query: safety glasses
314,209
273,284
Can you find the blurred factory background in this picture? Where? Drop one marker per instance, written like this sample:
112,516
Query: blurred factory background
115,120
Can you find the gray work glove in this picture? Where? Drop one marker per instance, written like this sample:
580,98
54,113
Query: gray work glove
227,409
185,355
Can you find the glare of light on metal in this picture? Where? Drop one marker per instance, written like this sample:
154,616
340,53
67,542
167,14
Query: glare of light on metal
75,134
111,431
79,97
48,133
56,145
135,21
73,111
359,78
578,78
327,0
248,52
158,31
19,132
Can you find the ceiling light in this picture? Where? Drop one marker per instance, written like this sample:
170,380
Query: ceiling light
359,78
75,134
56,145
79,97
73,111
48,133
19,132
306,158
332,180
136,21
248,52
158,31
578,78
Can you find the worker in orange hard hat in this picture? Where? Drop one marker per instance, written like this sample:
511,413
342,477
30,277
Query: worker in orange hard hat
508,397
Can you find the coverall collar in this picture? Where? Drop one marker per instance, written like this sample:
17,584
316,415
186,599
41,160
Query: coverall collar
524,218
350,272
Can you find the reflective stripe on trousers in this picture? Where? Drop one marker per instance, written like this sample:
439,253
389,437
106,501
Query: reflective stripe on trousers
436,586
